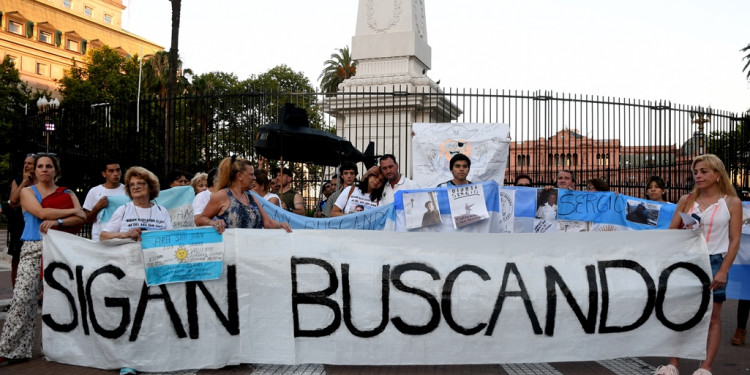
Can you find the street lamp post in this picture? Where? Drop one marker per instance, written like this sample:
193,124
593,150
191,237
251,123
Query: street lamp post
45,106
700,119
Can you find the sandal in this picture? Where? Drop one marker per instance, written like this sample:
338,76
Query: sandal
739,337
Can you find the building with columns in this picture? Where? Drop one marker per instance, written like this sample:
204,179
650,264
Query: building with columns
46,37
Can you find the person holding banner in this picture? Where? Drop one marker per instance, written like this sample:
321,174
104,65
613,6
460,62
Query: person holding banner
715,202
366,194
656,189
232,204
140,214
45,206
460,166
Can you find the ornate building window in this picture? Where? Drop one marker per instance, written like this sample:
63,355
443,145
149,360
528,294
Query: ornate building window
71,45
88,11
15,28
68,4
108,19
45,37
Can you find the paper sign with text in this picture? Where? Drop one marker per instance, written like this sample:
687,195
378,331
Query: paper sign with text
171,256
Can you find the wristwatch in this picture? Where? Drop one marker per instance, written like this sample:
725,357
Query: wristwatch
59,222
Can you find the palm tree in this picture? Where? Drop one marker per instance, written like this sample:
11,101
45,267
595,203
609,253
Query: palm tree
337,69
169,123
747,57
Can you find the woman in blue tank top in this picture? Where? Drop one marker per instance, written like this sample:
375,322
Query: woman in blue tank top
18,333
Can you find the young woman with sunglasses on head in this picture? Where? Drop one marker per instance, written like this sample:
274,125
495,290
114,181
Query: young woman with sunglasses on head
45,206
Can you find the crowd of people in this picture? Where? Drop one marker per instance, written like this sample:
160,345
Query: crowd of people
222,200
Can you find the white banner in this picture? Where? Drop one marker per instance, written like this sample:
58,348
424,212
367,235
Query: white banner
434,144
358,297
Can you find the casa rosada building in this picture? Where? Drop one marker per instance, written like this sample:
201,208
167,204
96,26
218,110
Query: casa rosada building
623,166
44,38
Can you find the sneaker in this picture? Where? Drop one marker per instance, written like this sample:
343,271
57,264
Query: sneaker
127,370
666,370
702,371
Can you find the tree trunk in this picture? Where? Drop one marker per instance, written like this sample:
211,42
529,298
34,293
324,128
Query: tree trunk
169,123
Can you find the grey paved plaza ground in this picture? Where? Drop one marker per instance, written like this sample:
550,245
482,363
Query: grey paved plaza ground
730,360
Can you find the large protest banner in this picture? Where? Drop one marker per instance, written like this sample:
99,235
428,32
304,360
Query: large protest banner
358,297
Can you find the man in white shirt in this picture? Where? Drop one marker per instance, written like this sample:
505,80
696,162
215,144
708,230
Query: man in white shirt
96,199
395,180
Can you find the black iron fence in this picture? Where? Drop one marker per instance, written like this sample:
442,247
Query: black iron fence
620,140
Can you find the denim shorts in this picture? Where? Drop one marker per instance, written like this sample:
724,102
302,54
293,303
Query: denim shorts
720,294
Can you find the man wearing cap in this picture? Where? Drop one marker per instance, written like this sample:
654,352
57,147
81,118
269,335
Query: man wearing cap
292,199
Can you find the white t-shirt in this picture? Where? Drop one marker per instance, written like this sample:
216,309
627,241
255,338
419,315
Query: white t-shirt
358,198
270,195
129,216
402,184
547,212
200,201
93,196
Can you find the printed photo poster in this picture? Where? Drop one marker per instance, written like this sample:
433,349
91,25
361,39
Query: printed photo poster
642,212
172,256
421,209
467,205
434,144
546,204
507,210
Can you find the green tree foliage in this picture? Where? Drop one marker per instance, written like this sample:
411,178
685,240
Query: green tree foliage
14,95
336,69
106,77
732,145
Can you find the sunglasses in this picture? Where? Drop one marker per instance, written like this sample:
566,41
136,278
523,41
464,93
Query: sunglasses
43,154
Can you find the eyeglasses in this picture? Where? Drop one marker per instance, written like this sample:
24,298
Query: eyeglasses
138,184
32,155
43,154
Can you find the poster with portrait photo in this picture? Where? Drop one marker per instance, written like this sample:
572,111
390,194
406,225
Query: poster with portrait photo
546,204
745,217
421,209
467,205
642,212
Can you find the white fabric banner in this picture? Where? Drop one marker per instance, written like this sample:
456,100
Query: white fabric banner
434,144
358,297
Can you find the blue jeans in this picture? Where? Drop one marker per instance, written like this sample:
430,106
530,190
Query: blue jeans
720,294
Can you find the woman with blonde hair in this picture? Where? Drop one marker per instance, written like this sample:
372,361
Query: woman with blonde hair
715,201
140,214
232,204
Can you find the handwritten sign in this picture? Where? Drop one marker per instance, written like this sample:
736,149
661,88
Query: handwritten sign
467,205
171,256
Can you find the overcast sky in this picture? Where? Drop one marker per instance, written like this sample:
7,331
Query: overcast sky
683,51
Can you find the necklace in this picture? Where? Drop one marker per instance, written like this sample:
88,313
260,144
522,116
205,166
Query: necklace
150,212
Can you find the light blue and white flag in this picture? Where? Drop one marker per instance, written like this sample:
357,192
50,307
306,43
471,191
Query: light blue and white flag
606,207
738,286
492,202
177,200
172,256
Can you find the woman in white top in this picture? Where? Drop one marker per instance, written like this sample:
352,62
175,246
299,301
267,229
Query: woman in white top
715,201
141,213
262,186
364,196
